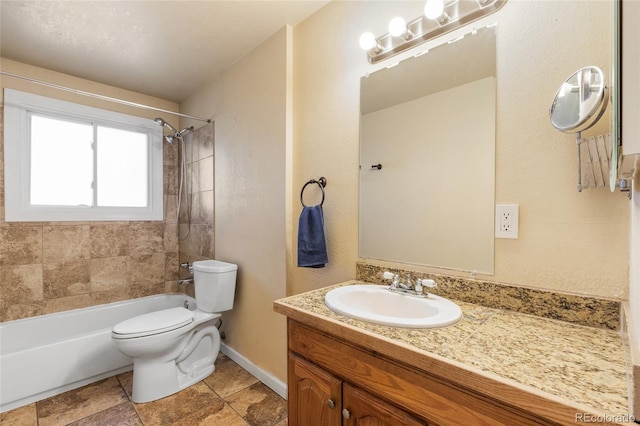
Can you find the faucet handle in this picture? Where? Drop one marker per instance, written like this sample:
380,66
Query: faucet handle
391,276
188,266
429,283
388,275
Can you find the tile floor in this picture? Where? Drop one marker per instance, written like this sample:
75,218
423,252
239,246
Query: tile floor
230,396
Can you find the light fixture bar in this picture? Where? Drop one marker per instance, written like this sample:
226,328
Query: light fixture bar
422,29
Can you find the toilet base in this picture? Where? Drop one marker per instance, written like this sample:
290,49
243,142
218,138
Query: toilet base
156,378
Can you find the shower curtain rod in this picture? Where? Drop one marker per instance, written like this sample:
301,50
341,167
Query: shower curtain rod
102,97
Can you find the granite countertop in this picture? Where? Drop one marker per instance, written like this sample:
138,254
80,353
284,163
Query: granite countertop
580,366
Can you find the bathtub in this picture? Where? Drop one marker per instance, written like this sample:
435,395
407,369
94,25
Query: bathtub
49,354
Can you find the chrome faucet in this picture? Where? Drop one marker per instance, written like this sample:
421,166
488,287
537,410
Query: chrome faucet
184,282
408,287
189,267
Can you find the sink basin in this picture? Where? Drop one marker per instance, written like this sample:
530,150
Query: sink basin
376,304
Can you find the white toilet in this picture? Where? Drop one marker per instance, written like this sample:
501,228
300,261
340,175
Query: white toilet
175,348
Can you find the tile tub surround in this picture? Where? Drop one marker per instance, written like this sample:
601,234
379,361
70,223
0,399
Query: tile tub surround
583,310
559,366
197,231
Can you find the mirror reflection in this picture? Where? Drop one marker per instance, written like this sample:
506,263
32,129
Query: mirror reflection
427,157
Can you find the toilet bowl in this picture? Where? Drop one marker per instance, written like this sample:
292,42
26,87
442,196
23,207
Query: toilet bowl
175,348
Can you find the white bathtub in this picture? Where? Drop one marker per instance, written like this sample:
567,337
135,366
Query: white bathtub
50,354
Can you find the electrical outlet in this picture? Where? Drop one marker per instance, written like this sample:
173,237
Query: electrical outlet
506,221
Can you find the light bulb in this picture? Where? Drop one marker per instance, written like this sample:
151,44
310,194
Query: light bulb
434,9
368,41
397,27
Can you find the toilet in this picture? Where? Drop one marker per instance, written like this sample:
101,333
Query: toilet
175,348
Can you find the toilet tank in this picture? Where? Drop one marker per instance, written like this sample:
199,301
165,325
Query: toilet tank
215,285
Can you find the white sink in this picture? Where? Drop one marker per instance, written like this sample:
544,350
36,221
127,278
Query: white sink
376,304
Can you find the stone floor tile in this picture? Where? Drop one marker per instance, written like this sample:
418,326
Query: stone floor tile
259,405
179,406
22,416
229,378
80,403
120,415
227,416
126,381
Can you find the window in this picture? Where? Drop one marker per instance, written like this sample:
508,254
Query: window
70,162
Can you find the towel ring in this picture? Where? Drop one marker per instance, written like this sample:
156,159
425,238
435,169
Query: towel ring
322,182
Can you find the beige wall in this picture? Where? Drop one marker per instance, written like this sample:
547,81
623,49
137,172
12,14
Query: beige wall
49,267
249,106
569,241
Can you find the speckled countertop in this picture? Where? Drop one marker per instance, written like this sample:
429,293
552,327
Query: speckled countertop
580,366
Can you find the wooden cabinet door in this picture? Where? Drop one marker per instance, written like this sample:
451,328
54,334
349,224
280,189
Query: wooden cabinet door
315,396
363,409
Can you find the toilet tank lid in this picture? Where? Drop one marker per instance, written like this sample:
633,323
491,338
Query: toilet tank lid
214,266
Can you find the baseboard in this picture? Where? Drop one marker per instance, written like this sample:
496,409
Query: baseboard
271,381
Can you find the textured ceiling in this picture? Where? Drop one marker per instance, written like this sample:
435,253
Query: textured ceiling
165,49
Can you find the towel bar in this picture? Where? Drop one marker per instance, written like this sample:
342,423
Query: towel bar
321,182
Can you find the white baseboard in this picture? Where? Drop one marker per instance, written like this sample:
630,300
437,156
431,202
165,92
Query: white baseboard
271,381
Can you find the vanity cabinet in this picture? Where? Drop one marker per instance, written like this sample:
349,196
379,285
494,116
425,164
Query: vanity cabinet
316,397
364,409
329,377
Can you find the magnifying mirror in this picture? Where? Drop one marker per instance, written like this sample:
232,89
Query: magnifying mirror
579,104
580,101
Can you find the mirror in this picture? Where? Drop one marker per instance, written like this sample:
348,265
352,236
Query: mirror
428,129
580,101
578,105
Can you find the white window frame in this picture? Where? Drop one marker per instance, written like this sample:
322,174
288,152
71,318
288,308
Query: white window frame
17,108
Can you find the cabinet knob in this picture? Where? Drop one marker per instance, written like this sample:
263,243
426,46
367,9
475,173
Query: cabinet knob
346,414
331,404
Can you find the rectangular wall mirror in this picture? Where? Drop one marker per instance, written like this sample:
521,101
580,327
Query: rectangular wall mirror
427,157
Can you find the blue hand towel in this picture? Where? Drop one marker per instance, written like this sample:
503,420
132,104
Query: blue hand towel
312,248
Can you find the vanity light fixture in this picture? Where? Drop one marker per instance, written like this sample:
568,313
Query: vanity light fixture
368,42
434,10
440,17
398,28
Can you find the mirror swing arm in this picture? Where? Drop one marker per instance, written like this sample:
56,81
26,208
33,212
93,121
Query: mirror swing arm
578,142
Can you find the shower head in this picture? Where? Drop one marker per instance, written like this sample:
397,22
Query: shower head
176,134
161,122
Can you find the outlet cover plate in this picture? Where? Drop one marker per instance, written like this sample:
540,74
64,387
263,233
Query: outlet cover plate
507,221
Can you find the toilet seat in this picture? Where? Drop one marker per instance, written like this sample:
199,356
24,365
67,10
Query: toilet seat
153,323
